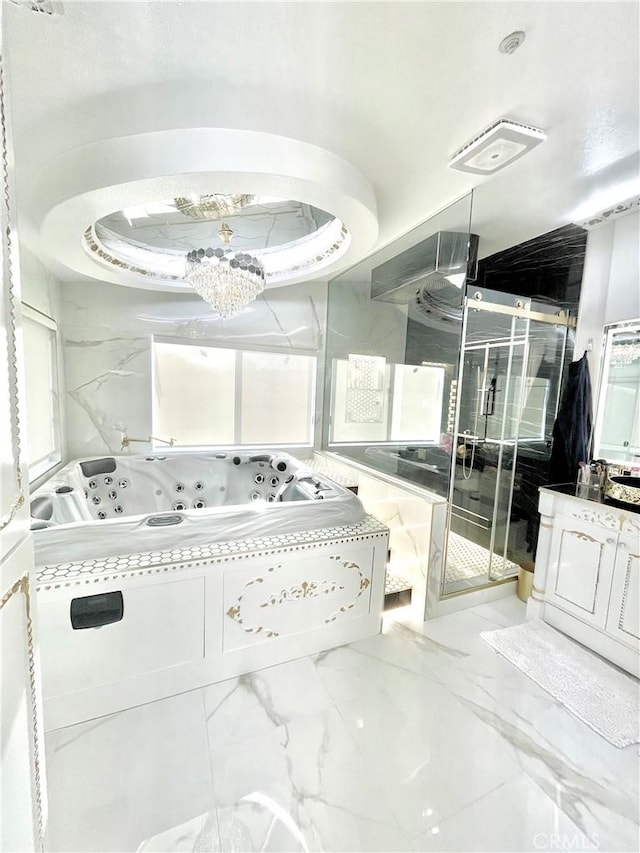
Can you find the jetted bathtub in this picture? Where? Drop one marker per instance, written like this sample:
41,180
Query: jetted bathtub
160,574
112,505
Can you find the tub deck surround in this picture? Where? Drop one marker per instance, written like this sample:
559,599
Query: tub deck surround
98,570
232,595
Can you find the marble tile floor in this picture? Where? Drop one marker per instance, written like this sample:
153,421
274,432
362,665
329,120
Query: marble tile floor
419,739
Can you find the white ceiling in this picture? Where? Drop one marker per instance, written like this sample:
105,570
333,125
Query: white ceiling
392,87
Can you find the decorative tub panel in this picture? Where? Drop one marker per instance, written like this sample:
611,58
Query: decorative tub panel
122,626
286,598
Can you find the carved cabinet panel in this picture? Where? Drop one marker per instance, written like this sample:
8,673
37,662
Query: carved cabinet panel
624,605
581,562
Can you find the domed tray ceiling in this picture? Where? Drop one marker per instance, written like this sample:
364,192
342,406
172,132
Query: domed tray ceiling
152,240
262,224
110,211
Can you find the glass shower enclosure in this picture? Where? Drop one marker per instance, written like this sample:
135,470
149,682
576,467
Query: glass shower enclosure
510,371
442,379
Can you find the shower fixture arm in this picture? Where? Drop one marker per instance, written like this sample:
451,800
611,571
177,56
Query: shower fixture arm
126,440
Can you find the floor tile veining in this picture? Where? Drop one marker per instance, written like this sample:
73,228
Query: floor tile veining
422,738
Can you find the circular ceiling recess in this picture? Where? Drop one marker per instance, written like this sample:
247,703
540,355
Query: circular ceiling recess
129,210
289,238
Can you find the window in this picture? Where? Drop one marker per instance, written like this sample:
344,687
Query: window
377,402
416,412
208,396
41,392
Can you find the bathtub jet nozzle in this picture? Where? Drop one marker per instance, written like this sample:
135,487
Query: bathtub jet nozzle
279,463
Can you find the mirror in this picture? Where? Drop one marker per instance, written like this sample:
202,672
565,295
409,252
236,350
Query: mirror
617,432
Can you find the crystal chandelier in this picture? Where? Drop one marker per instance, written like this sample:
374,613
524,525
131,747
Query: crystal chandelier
624,354
227,280
216,206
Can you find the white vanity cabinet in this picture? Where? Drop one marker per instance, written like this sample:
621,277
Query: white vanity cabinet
587,576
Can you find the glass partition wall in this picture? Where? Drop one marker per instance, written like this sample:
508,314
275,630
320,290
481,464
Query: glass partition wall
451,386
393,341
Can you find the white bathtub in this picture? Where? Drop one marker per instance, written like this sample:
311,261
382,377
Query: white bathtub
101,507
157,575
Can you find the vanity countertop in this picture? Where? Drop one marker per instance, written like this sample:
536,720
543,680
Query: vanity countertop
588,493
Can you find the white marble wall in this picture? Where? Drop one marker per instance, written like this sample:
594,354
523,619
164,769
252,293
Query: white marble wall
416,522
107,333
409,516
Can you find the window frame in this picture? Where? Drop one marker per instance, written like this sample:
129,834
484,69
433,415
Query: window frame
39,467
312,354
389,391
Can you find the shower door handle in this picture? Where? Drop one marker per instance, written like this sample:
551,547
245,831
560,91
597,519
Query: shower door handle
490,399
488,403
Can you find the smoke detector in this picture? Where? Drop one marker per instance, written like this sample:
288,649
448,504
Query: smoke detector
512,42
496,146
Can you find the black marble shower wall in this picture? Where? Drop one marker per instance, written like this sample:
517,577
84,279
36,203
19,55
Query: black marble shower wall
547,268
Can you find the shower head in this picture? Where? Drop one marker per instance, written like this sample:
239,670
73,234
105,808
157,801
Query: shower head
436,295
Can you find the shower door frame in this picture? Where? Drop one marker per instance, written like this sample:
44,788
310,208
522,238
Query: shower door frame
520,341
520,311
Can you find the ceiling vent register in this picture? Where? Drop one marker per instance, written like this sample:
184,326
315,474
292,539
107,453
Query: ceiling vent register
496,146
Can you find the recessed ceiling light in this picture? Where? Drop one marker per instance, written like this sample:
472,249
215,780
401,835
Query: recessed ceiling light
496,146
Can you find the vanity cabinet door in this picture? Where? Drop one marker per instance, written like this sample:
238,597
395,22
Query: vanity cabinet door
624,606
581,564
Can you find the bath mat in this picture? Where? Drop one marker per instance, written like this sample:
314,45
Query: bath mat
597,693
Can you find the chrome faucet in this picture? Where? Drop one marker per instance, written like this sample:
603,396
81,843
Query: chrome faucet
126,441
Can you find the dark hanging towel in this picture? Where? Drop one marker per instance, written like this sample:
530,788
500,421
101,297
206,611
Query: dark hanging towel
572,429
